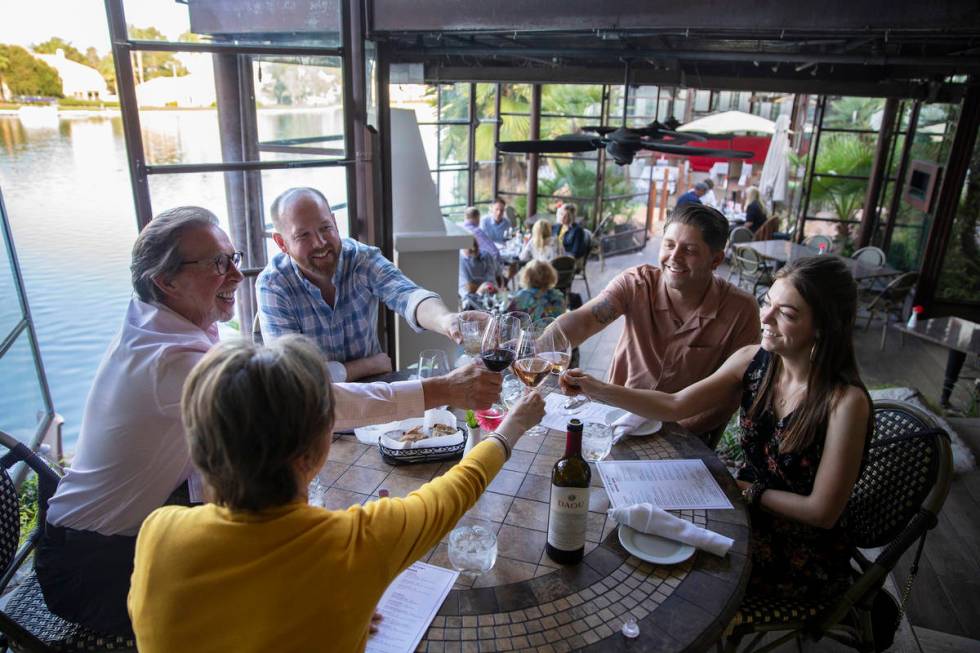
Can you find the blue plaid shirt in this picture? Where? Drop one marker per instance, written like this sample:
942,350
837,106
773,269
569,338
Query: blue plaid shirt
493,229
289,303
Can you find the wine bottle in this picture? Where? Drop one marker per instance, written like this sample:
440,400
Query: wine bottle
569,512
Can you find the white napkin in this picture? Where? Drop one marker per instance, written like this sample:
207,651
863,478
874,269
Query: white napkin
625,425
648,518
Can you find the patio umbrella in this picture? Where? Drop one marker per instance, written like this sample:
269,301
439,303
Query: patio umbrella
772,182
730,122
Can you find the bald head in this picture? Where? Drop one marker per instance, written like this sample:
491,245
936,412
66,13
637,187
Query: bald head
288,200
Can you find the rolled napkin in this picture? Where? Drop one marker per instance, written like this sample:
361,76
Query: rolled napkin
625,425
648,518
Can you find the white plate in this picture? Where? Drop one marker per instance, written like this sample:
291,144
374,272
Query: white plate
654,548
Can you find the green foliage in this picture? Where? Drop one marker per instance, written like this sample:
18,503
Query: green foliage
729,449
842,154
25,75
55,43
852,112
75,102
28,507
148,65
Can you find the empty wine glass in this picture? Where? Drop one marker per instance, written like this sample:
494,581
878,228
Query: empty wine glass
521,317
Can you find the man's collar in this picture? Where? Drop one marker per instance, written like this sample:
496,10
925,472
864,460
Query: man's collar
707,309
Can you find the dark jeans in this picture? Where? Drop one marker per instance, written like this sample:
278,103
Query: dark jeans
84,575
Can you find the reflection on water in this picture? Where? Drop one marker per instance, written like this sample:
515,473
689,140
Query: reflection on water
67,192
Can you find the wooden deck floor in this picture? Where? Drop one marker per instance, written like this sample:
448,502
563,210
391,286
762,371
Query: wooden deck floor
945,604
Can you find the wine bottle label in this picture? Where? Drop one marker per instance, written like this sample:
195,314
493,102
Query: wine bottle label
568,517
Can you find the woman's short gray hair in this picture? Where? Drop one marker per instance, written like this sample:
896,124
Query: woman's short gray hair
156,252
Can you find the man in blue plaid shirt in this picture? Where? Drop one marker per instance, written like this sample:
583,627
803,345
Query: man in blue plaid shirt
328,288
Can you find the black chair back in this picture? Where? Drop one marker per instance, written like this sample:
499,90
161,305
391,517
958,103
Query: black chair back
907,461
565,266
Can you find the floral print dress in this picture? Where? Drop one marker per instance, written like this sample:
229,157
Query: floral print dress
789,558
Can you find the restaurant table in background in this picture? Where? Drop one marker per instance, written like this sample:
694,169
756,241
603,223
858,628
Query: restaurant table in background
784,251
959,336
527,601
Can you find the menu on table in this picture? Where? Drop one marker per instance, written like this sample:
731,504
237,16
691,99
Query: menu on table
667,484
408,607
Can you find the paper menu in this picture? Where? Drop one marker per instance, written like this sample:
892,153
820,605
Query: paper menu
408,607
668,484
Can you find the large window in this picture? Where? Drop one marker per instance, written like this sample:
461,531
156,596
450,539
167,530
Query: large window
25,403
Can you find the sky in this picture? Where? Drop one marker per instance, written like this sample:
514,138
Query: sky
83,22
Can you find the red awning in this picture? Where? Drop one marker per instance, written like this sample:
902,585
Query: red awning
757,144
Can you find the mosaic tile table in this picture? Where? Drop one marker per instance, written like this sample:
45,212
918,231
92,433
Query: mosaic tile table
527,602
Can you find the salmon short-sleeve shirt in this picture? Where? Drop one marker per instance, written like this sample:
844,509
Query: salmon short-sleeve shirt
658,352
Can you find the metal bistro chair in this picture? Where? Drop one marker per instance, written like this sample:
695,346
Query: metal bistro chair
890,300
752,267
895,502
871,256
565,266
738,236
25,621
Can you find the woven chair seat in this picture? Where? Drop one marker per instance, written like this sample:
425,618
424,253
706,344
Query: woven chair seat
761,611
27,607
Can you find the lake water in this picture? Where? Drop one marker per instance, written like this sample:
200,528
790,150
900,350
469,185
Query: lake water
67,191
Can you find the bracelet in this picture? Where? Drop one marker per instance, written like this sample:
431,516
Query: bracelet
753,493
503,441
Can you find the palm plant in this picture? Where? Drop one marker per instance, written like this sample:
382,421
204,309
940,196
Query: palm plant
840,157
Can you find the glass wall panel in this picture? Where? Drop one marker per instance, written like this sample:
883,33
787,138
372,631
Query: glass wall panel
854,113
22,405
10,310
959,279
165,20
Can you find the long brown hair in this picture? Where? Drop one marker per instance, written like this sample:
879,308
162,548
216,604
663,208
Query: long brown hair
829,290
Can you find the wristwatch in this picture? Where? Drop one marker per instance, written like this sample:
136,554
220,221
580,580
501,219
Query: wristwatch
753,493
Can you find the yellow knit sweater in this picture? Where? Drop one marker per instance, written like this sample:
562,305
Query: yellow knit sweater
292,578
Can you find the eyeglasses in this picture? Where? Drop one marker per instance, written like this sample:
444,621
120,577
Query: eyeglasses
221,262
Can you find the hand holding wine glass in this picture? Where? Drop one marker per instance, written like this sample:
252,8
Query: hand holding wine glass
529,366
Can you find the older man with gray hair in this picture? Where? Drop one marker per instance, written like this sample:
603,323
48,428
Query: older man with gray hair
692,196
132,454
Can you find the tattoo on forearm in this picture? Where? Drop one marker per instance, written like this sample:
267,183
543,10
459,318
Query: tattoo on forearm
604,312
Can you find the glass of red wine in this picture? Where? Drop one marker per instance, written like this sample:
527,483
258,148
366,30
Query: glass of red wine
530,366
499,347
500,343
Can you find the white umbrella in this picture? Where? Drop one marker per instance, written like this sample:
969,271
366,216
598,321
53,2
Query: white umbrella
772,182
730,122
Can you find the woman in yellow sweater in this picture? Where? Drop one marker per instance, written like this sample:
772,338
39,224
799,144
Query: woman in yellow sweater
259,569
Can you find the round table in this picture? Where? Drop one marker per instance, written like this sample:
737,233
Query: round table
528,602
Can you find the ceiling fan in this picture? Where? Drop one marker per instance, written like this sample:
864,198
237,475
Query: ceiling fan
623,143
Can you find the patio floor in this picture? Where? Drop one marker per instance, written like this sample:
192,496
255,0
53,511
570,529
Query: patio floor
945,604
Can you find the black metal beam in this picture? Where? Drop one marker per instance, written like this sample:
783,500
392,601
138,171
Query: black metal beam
611,20
879,171
903,166
747,79
220,46
947,201
237,166
126,90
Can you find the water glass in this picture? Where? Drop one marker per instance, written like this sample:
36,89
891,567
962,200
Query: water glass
433,362
472,549
316,492
596,441
472,324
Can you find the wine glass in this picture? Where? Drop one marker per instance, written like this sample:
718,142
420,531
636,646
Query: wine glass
521,317
529,366
472,325
555,346
499,344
